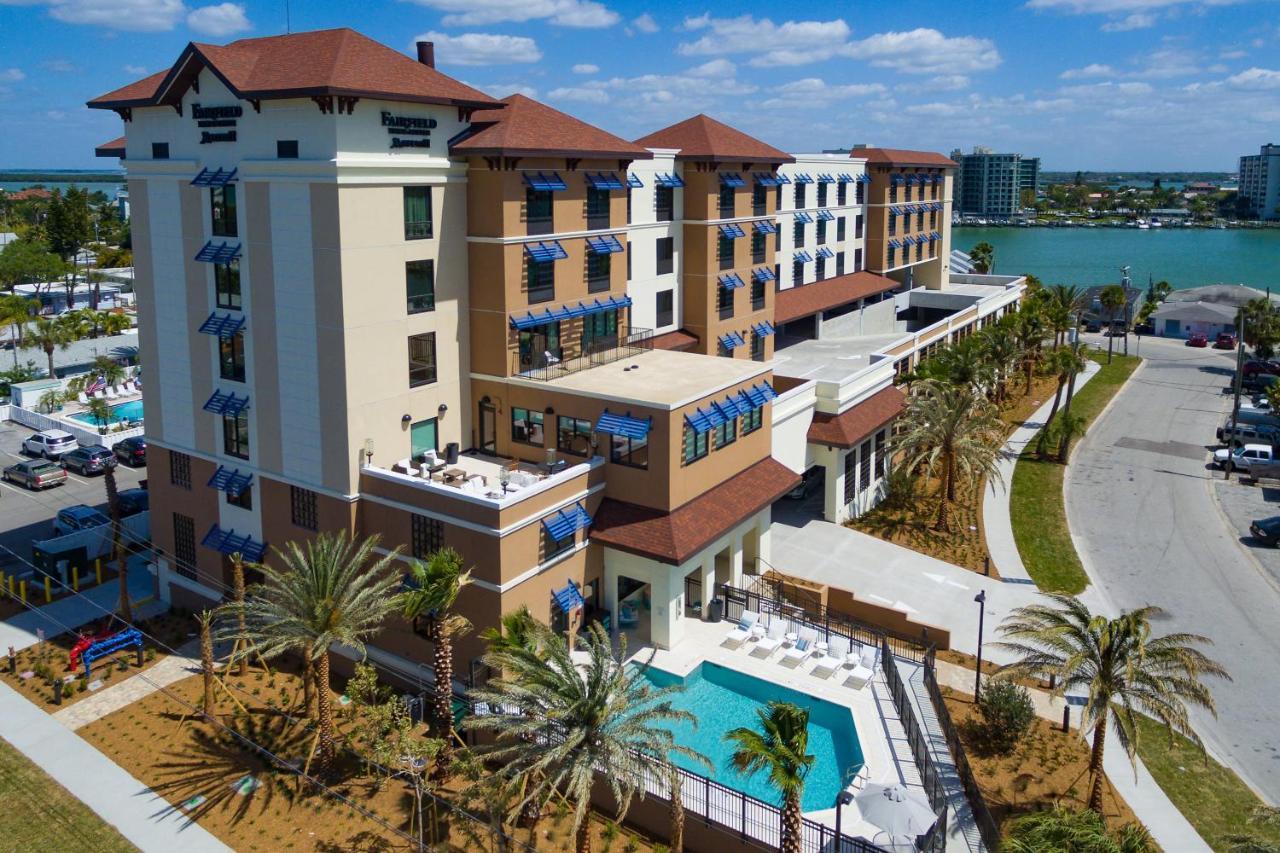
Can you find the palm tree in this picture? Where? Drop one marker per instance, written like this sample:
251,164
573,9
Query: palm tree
15,310
516,629
573,719
328,593
1028,332
962,363
109,369
113,323
1113,299
1062,830
1063,308
954,433
983,256
1065,363
1001,349
1118,664
1064,440
433,589
781,747
49,334
118,552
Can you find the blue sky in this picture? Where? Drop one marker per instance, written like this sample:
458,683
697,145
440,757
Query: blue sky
1103,84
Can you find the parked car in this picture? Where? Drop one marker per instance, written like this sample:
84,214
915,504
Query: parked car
133,501
1249,417
1242,458
50,443
78,517
1267,531
1258,382
1147,328
35,475
132,451
1239,435
1264,470
1257,365
1225,340
1092,326
1197,339
94,459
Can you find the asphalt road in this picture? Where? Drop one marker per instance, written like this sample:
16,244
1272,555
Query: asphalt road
1142,509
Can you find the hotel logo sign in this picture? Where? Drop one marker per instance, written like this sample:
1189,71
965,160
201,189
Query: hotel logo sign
408,131
215,117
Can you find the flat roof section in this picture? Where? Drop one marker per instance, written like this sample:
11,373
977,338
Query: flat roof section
660,378
830,359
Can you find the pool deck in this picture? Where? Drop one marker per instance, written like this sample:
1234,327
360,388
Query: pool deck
69,410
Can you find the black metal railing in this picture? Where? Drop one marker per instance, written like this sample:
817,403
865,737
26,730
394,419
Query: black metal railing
916,739
628,341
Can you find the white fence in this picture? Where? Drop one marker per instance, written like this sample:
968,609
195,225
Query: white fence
84,433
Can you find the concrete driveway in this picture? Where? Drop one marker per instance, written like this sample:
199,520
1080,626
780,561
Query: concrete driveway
1141,506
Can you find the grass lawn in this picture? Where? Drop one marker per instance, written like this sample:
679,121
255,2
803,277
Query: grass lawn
1036,505
39,814
1211,796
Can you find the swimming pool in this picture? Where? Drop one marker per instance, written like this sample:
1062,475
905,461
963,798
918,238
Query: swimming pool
723,699
130,411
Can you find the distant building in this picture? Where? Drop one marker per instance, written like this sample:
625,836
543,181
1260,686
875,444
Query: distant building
1199,188
991,184
1260,182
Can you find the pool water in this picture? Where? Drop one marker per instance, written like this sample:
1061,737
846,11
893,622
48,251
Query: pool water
130,411
723,699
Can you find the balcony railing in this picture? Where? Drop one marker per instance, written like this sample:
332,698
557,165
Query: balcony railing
628,341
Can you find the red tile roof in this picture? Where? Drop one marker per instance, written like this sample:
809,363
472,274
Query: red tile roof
704,138
323,62
28,194
526,127
902,157
796,302
673,537
114,148
858,421
679,340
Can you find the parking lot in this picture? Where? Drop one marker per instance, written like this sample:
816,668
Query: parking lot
1242,502
27,516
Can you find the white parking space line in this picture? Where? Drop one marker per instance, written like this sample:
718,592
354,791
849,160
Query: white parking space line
8,485
77,479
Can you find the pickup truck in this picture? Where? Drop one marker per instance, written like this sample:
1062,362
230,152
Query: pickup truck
1265,470
1244,458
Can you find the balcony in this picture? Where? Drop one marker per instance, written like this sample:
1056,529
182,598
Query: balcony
492,481
628,341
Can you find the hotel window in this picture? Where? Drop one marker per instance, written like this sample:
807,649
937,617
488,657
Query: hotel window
537,342
541,276
665,308
840,222
777,197
597,208
864,463
424,435
727,195
862,193
797,273
857,227
420,286
880,442
286,149
759,200
537,211
226,284
526,426
664,203
840,264
919,251
180,469
598,267
893,192
726,433
242,498
417,213
426,536
632,452
842,194
820,267
724,301
552,547
822,195
800,238
892,253
920,193
629,253
159,151
933,220
184,545
822,231
628,205
573,436
850,476
724,252
920,220
757,350
753,420
222,206
599,331
893,223
422,359
757,293
302,508
799,196
758,247
231,357
777,238
666,261
235,434
695,444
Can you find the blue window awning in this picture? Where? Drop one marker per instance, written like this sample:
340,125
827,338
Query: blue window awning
566,522
224,327
218,253
663,179
542,252
895,244
634,181
763,329
937,205
937,179
704,421
765,227
568,312
224,403
782,179
731,281
732,231
897,211
727,408
934,235
826,179
732,340
802,257
545,181
803,218
760,393
767,179
864,178
227,542
802,178
233,481
605,245
624,425
568,598
824,252
825,216
846,178
897,178
214,178
731,179
763,274
604,181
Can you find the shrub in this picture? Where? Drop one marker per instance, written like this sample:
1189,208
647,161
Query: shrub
1007,713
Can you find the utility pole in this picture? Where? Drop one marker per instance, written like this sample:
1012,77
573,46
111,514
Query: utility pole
1235,406
1125,284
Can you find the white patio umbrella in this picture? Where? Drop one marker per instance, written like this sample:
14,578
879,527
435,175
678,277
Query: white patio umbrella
900,813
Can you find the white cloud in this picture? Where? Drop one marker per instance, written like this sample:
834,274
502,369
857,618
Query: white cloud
817,87
1093,70
502,90
12,75
1136,21
1168,62
60,66
135,69
789,43
55,115
586,68
948,82
1255,78
926,51
645,24
1233,54
1103,7
125,15
713,68
483,48
565,13
1107,89
224,19
580,94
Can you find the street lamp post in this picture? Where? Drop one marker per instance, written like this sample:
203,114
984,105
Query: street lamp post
981,599
842,799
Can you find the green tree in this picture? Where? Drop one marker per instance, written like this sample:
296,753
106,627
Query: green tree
1028,332
1063,830
28,262
113,322
19,373
573,720
1117,664
109,369
1063,309
1000,349
954,433
15,311
49,334
331,591
780,747
983,257
1161,290
1113,299
1261,326
68,228
101,411
1065,363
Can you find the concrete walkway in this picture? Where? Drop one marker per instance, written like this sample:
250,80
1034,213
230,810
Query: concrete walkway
996,522
134,688
74,610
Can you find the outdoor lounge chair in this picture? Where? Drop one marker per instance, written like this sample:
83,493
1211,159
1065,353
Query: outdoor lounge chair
837,649
82,399
111,393
804,646
864,670
772,639
100,394
742,630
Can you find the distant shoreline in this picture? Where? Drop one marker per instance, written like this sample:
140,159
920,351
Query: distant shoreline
60,177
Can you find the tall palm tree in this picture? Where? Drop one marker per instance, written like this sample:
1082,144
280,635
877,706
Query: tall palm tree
983,256
118,552
516,629
433,589
557,722
1113,299
780,747
954,433
962,363
330,592
113,323
1121,667
15,310
1001,348
49,334
1028,332
1066,363
1062,309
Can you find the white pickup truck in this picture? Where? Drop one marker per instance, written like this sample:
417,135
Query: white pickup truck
1243,458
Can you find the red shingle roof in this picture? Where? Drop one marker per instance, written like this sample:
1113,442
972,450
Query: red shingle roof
704,138
114,148
323,62
902,157
526,127
796,302
673,537
859,421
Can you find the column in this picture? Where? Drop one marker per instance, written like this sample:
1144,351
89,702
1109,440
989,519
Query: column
707,577
834,486
735,560
764,528
610,581
666,603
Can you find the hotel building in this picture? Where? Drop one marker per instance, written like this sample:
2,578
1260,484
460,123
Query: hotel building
375,300
1260,182
990,184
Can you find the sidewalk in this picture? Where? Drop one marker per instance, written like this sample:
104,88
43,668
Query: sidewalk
74,611
132,689
996,522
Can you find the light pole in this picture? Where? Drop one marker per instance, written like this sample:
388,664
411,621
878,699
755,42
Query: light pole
981,599
843,799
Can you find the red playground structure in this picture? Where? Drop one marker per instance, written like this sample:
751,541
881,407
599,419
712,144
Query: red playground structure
83,642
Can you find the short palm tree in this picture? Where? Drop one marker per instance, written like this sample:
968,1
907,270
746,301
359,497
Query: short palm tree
1063,307
781,748
50,335
962,363
1001,352
983,256
573,721
955,433
15,310
1028,333
1062,830
516,629
331,591
1118,664
1065,363
1113,301
113,323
